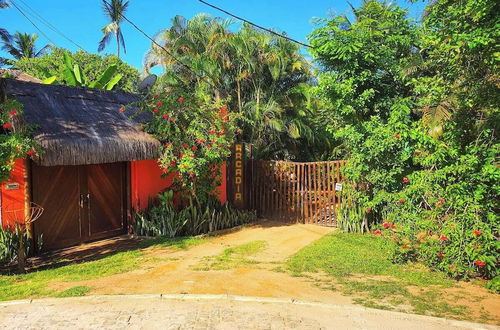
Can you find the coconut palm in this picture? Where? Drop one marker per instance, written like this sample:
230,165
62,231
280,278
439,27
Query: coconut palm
22,45
114,11
4,34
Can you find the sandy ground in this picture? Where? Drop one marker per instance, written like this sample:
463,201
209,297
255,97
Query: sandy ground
207,312
176,271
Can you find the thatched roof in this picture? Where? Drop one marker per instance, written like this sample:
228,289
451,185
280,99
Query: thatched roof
77,126
18,75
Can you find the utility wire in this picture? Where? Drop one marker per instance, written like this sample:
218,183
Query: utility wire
49,25
32,23
166,50
256,25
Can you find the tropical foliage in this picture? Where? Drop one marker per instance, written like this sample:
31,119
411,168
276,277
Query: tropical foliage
91,66
263,78
409,106
73,76
196,134
113,10
15,139
22,45
165,219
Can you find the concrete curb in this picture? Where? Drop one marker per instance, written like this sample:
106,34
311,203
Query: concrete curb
196,297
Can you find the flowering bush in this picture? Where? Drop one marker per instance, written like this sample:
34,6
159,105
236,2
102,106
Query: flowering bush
15,142
196,135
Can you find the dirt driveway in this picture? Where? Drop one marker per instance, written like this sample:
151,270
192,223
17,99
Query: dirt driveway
207,269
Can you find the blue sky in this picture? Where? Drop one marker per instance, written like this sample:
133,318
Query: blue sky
82,20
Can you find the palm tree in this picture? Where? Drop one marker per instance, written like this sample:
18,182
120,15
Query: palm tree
22,45
114,11
256,72
4,34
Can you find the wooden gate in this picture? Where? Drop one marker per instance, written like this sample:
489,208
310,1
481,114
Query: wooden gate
303,192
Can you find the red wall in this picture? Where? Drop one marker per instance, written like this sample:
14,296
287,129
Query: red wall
13,199
146,182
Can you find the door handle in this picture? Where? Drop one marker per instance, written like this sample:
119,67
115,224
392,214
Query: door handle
83,198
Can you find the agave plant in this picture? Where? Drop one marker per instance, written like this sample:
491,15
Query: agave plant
165,220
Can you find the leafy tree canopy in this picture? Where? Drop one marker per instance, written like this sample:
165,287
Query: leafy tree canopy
91,65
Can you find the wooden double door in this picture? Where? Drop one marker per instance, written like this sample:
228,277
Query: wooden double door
81,203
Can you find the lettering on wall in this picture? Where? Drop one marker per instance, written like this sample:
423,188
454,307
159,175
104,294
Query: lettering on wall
238,175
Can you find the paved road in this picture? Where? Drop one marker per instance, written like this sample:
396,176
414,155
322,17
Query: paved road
206,312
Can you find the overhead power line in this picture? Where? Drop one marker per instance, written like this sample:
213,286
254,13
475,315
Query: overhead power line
32,23
49,25
166,50
255,25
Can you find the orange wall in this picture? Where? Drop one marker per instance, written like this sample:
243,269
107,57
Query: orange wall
146,182
13,199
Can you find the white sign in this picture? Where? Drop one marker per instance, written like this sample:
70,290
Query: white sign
338,186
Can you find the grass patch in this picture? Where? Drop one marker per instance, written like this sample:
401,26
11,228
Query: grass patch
360,266
178,243
76,291
36,284
233,257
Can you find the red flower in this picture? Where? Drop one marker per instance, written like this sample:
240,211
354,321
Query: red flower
368,209
386,225
172,119
452,266
31,152
156,110
7,125
122,110
377,232
194,148
212,131
209,145
223,108
402,201
393,226
13,112
397,136
173,163
440,202
167,145
443,238
477,233
155,96
440,255
180,99
159,103
480,263
184,145
165,116
405,247
221,132
406,180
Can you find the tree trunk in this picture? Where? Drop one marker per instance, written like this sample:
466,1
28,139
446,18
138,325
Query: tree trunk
118,45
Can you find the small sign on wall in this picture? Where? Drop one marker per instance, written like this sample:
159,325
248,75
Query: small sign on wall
338,187
237,176
12,186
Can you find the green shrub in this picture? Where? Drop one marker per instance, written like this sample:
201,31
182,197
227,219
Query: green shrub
164,219
9,244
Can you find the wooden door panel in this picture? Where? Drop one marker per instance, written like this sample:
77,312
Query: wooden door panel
105,187
56,189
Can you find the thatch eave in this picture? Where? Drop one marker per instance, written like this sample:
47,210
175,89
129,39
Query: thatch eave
79,126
